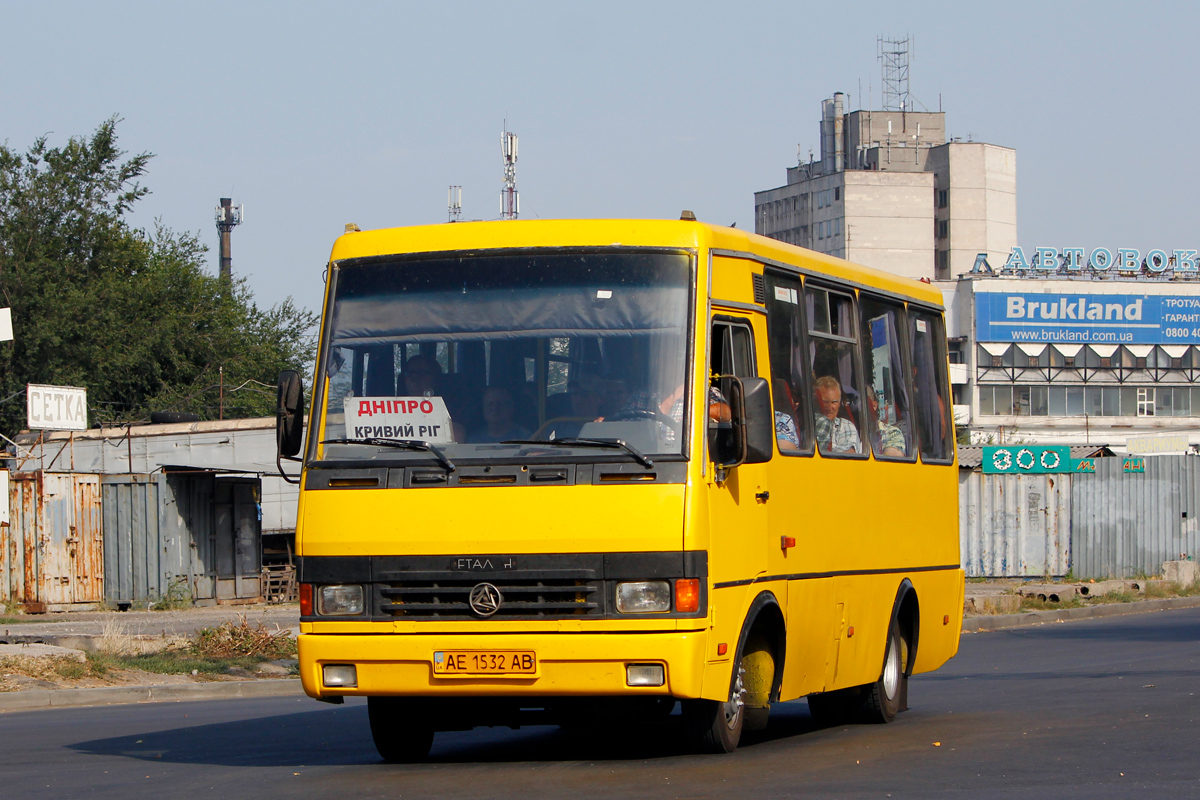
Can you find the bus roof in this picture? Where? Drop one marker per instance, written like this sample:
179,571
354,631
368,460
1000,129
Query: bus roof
503,234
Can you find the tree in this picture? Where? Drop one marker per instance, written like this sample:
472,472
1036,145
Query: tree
129,314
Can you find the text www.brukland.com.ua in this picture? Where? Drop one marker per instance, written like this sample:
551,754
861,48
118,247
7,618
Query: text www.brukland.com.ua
1059,335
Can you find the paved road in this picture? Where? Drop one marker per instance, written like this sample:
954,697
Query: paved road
1057,711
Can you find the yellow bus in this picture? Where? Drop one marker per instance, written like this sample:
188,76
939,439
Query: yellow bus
562,470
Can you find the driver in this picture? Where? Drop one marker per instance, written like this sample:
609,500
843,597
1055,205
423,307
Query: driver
644,404
422,377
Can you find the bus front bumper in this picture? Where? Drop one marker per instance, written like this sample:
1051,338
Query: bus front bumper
567,665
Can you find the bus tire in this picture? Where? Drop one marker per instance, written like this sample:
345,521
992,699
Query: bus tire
713,726
881,700
400,728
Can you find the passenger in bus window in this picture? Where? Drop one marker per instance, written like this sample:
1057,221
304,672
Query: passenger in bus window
785,432
834,434
498,418
888,439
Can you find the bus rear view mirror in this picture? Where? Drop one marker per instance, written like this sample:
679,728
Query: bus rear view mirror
289,413
747,439
758,422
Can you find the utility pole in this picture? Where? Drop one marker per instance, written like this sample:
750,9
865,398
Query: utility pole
228,217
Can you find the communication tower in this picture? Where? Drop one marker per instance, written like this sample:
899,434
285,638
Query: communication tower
228,217
454,203
894,59
510,198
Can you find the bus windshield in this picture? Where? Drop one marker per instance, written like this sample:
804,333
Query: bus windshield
486,356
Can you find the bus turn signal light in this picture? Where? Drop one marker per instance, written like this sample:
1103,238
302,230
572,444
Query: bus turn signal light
786,542
687,595
306,599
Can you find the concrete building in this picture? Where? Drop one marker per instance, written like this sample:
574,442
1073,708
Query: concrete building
1076,355
890,192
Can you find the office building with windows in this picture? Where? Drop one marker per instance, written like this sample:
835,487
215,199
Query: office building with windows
892,192
1075,356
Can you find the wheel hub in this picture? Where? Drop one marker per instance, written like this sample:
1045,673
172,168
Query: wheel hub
891,670
737,700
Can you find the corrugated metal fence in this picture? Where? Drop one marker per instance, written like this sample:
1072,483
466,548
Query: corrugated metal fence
1014,525
1109,523
1128,523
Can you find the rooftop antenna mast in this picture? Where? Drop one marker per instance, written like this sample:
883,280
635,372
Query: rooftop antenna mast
510,198
454,203
894,60
228,217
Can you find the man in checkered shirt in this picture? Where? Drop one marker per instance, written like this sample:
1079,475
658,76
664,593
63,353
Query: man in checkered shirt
834,434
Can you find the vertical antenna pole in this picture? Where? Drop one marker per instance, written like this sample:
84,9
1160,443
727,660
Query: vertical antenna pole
228,217
510,200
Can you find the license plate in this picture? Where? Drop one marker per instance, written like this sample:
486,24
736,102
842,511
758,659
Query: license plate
484,662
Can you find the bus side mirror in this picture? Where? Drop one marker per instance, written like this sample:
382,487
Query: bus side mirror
289,413
749,436
758,420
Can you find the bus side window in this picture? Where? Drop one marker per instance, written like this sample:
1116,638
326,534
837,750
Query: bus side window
931,405
732,354
833,359
785,345
887,415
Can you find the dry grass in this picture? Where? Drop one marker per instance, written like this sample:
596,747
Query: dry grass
116,640
45,668
240,640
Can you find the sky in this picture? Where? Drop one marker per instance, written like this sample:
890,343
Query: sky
314,115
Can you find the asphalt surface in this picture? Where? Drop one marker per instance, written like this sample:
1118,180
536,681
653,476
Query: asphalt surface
1091,709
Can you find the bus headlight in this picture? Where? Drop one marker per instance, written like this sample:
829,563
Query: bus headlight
340,600
344,675
643,597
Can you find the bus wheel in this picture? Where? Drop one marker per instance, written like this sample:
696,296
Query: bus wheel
715,727
881,700
400,728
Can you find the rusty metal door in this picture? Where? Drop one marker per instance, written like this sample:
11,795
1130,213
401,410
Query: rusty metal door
237,541
55,536
69,540
22,545
85,545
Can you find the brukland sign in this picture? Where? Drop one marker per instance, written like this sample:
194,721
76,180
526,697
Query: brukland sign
1074,317
1126,261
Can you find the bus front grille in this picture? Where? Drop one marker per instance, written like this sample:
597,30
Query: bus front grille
520,599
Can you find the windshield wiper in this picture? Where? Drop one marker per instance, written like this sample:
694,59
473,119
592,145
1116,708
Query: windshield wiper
578,442
400,444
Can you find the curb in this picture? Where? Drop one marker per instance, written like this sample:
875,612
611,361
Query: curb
180,692
1004,621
